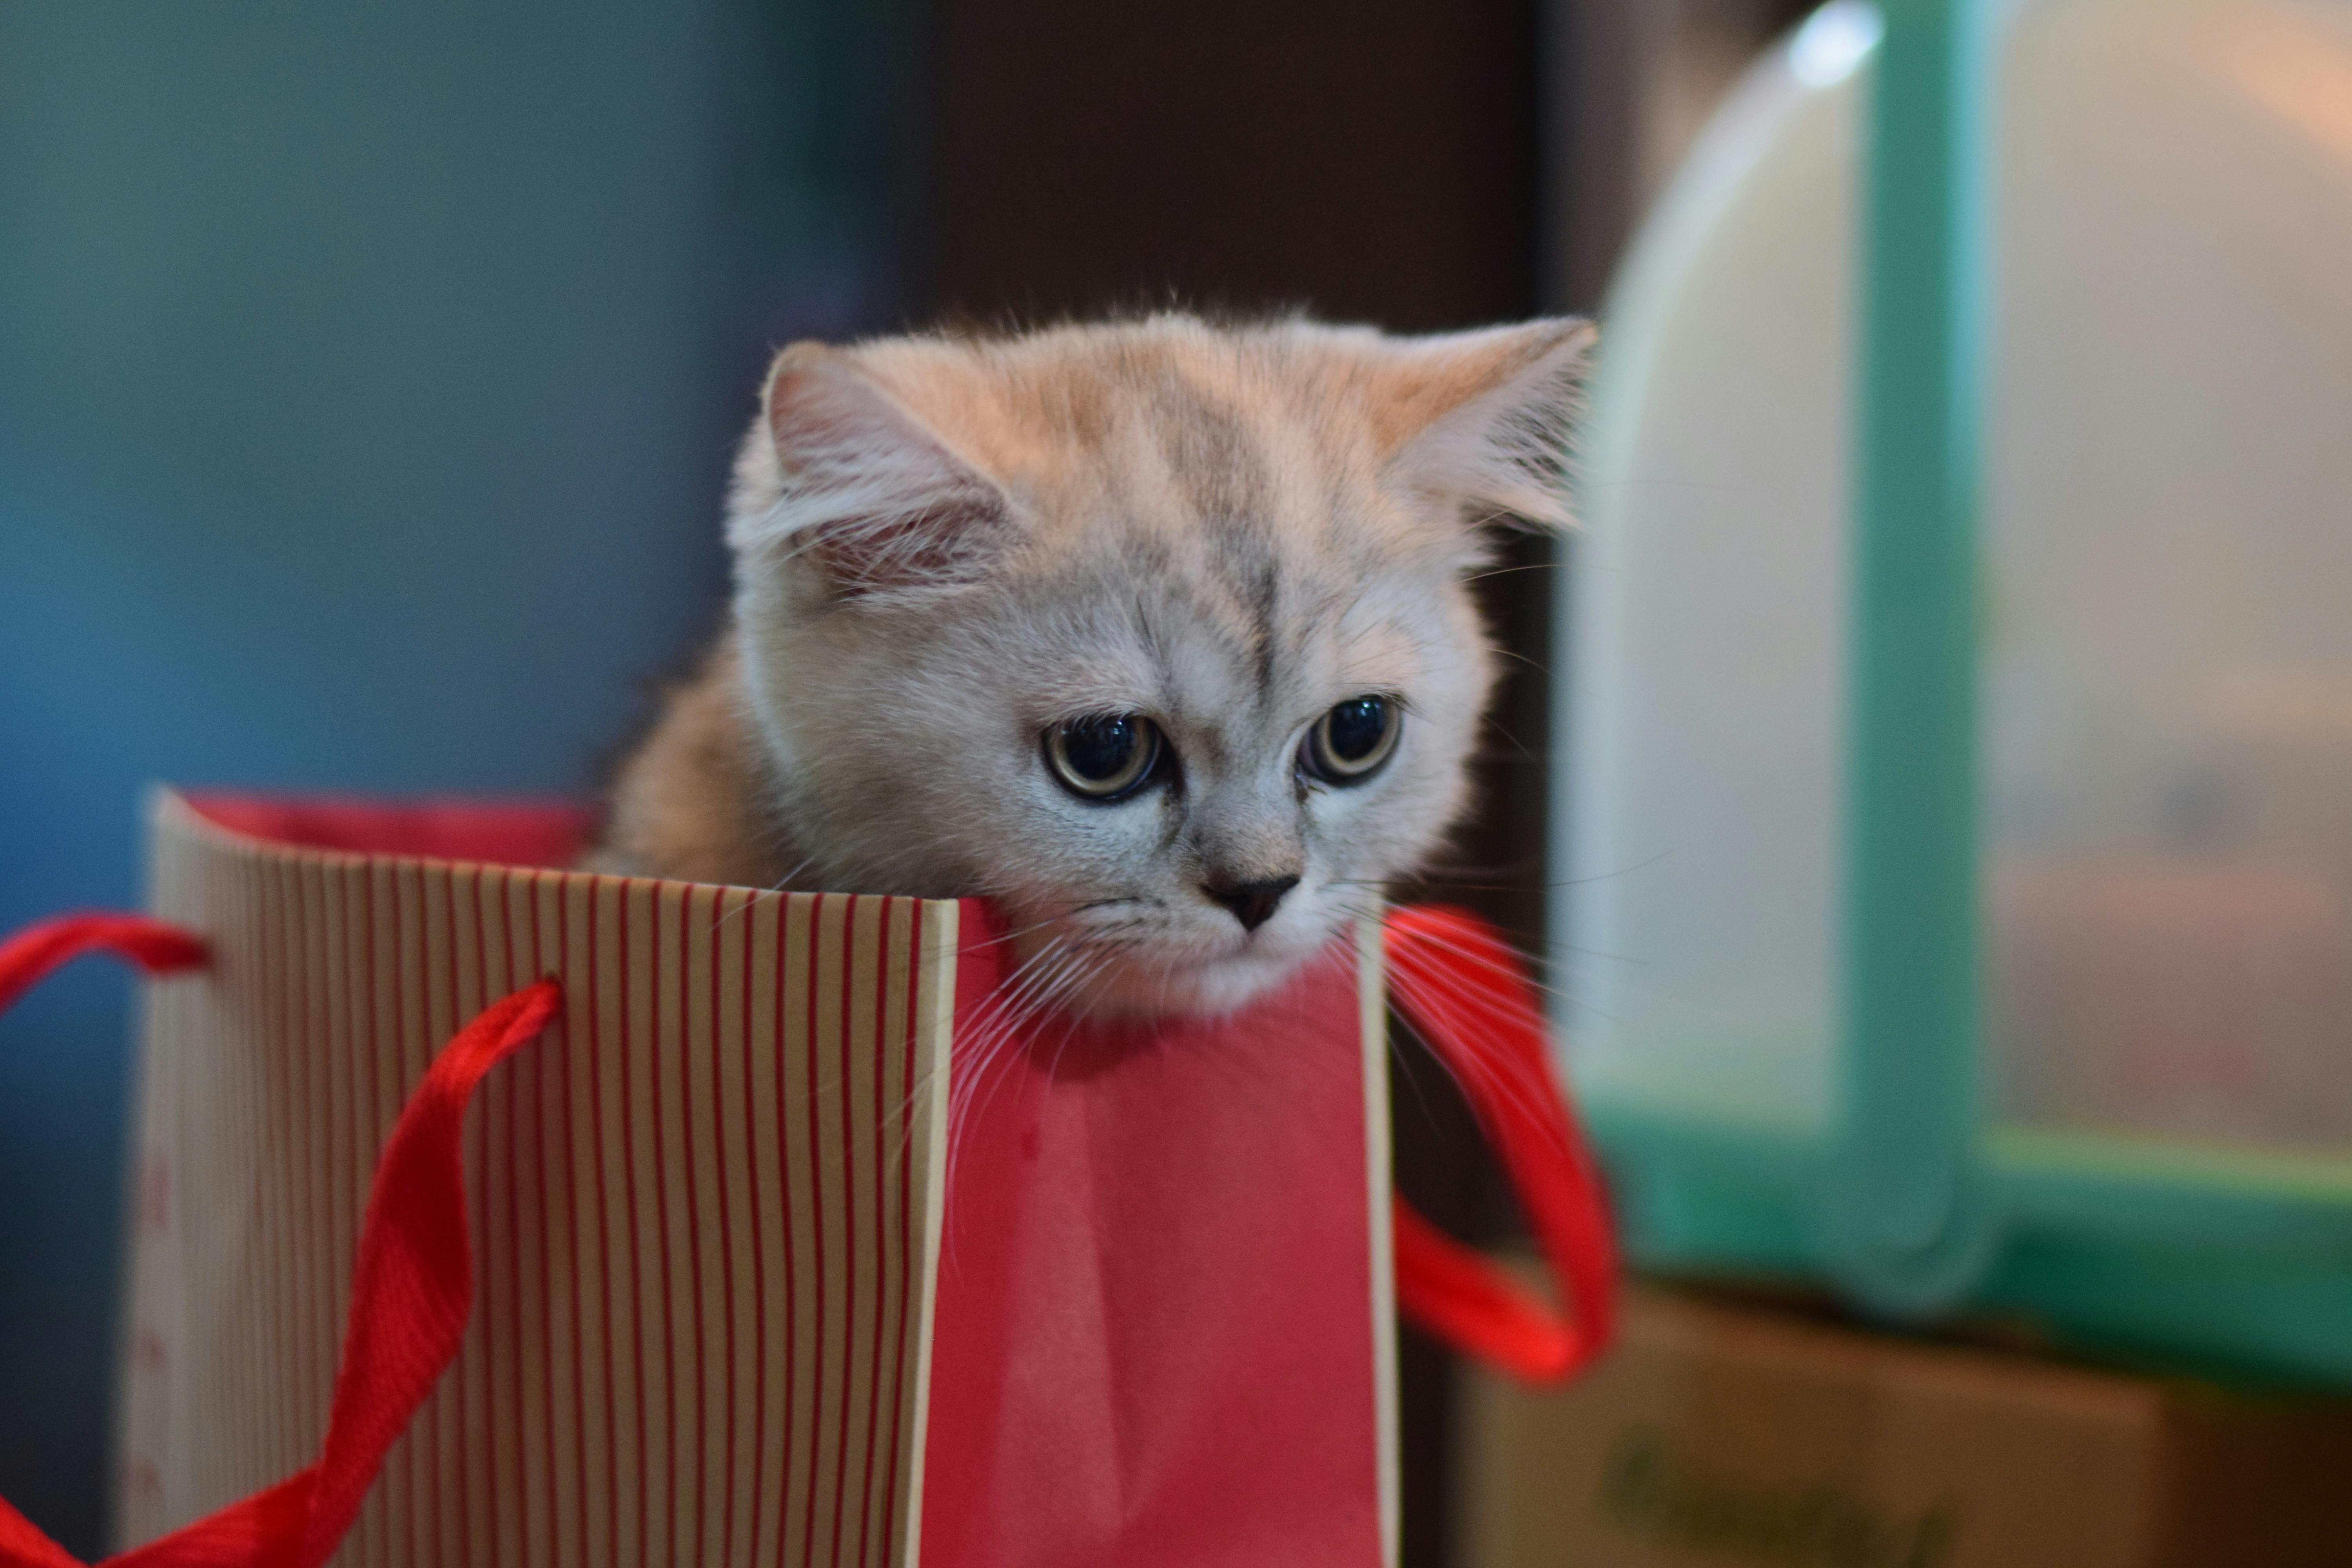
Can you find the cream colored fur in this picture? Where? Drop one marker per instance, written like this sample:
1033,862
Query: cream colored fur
944,546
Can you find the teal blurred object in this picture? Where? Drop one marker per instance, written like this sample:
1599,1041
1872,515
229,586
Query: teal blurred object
1906,1222
1956,852
367,378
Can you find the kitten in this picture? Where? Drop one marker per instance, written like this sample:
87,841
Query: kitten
1156,633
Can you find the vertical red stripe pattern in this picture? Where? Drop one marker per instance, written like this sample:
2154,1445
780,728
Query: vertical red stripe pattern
704,1206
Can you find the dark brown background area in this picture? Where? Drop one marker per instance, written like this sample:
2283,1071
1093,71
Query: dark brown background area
1371,162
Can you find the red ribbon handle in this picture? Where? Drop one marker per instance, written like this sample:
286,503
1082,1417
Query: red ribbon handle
155,946
1465,993
411,1288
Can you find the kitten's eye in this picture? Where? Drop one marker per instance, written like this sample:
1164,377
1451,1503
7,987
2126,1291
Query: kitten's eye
1348,744
1102,759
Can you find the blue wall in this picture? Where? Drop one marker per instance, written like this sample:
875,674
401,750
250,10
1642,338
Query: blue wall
367,374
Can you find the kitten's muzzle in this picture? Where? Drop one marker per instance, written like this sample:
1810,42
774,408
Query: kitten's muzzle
1253,903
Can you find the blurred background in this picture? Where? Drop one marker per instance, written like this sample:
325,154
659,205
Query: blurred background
368,376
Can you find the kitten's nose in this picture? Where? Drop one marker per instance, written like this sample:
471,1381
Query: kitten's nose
1251,902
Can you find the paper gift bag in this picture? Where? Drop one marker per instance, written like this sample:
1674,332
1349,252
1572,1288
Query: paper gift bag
793,1238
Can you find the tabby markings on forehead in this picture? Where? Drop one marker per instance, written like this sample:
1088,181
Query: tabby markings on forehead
1211,452
1265,601
1238,604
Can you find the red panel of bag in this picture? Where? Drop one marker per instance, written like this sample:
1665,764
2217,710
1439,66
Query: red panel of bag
1155,1322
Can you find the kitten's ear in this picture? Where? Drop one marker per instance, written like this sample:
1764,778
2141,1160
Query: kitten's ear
1483,418
850,484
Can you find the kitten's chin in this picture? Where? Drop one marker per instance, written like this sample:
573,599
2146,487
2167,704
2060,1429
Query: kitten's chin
1207,987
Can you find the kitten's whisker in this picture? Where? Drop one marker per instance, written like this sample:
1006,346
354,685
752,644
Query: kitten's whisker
994,1014
777,889
1506,571
1009,936
1453,1003
1085,970
1483,960
1454,994
1008,1009
996,1045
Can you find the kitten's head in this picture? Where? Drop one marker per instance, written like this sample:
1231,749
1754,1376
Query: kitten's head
1156,633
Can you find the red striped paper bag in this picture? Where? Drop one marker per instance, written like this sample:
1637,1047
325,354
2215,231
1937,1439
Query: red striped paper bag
788,1249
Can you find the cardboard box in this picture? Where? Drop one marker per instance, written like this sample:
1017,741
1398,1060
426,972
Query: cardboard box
1724,1434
